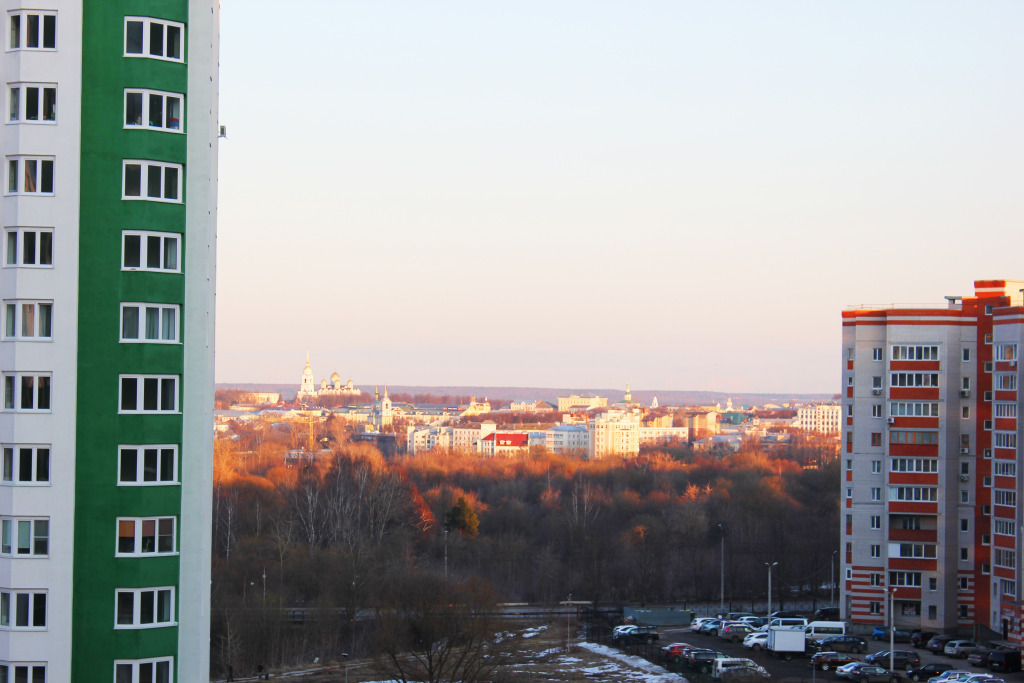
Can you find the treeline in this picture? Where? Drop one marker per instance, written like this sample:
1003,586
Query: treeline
303,554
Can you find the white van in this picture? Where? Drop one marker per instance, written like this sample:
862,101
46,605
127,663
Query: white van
725,665
816,630
787,622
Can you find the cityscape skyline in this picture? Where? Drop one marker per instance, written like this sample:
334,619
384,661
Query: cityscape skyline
531,194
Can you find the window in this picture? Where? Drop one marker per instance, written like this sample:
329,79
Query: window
876,353
965,412
988,309
152,109
875,579
1004,527
28,320
933,583
1004,468
913,437
850,353
876,410
158,39
26,465
912,579
988,338
876,521
916,550
1004,497
849,381
963,611
145,536
29,175
156,323
1005,440
151,180
965,467
933,612
849,573
966,355
29,247
875,607
965,441
1003,409
147,465
1006,352
26,392
1005,381
965,383
849,464
33,30
965,525
987,396
913,409
915,352
914,379
22,609
986,425
143,670
915,494
988,366
927,465
22,672
849,410
876,494
144,607
849,493
986,539
876,467
911,523
849,519
151,251
876,550
1005,558
32,103
876,438
876,382
986,482
965,496
149,394
24,537
1008,588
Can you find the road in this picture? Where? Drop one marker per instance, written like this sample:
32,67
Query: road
799,669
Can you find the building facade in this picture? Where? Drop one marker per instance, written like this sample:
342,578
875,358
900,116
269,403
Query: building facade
109,214
930,462
823,418
308,388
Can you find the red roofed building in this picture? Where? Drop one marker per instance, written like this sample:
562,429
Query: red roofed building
505,444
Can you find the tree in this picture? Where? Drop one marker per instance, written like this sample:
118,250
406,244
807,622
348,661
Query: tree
462,517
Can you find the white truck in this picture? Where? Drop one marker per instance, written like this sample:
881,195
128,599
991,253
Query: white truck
787,642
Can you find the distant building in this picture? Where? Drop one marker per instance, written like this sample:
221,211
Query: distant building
567,403
531,407
616,432
568,439
261,397
504,444
476,407
650,435
823,418
308,390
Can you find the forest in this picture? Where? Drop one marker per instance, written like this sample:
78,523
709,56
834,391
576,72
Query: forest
303,554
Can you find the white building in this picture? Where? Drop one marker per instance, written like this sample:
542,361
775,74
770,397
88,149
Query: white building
616,432
823,418
568,439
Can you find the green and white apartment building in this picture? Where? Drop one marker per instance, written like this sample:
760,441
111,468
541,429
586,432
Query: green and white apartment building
109,214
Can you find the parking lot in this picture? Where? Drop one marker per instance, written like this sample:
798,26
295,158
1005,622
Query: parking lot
780,670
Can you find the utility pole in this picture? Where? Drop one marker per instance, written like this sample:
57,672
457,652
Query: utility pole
773,564
721,606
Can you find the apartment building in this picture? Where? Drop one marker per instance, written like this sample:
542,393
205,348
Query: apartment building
823,418
106,353
929,448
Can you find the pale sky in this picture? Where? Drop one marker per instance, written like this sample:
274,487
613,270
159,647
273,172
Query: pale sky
678,195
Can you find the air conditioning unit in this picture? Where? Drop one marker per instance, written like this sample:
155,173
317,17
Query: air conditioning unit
965,393
891,420
965,451
965,477
876,392
1013,363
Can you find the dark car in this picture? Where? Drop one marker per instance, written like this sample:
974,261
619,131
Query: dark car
920,638
823,661
908,660
898,635
785,615
979,657
827,614
867,673
852,644
1004,660
938,643
928,671
648,634
703,660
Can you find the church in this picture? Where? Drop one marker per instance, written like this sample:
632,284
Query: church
308,390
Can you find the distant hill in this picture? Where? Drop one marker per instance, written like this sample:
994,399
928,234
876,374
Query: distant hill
666,397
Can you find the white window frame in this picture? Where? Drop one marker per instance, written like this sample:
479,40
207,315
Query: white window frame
135,666
14,320
147,23
11,457
1006,351
1004,557
9,671
138,525
1004,497
17,167
144,237
1005,440
1004,409
161,310
1004,468
138,595
14,247
875,551
9,609
144,166
1005,381
877,353
140,389
145,119
161,452
17,104
1004,527
915,352
13,389
876,522
13,530
23,29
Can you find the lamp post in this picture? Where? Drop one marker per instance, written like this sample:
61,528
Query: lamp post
832,579
892,629
721,606
773,564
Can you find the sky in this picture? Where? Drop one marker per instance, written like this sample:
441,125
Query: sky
584,193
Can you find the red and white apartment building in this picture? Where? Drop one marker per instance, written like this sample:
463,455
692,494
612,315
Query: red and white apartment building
930,482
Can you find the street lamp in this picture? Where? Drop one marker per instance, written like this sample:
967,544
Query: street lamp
773,564
892,629
721,606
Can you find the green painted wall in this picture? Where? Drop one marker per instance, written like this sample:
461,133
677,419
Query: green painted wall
102,286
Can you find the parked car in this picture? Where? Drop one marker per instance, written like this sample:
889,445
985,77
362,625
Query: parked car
908,660
827,614
920,638
1004,661
852,644
938,643
756,641
982,678
960,648
928,671
698,622
823,661
980,657
674,652
736,616
735,632
899,635
711,627
862,672
951,676
648,634
783,615
622,630
704,660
